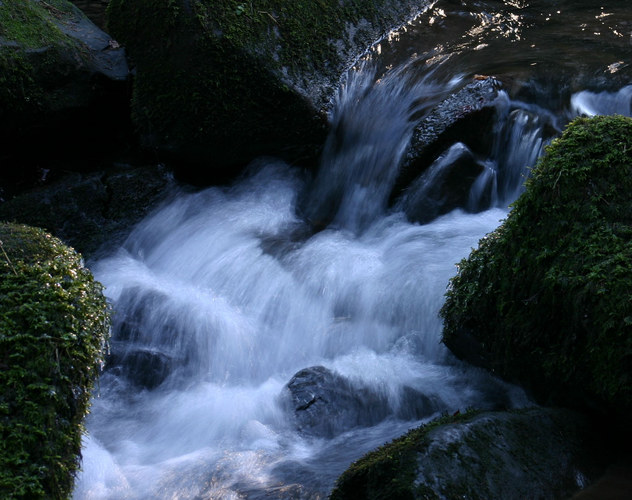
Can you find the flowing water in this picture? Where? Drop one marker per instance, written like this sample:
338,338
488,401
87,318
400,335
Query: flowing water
224,294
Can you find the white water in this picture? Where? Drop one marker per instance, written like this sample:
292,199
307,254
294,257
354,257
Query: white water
232,291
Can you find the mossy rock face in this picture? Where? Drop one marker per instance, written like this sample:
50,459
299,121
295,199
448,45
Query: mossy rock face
50,56
54,325
64,86
222,81
546,299
532,453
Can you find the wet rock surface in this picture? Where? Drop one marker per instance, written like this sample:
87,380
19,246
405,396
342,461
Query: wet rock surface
144,368
324,403
532,453
463,117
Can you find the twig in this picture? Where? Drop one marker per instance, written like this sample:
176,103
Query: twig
7,258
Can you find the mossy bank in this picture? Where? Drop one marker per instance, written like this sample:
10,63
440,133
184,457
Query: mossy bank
220,82
546,299
54,325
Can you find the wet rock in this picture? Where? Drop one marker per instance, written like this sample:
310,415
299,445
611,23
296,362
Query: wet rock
444,186
324,403
533,453
88,210
463,117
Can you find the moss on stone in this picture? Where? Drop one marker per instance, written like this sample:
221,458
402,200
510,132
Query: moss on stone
548,295
228,80
389,472
522,453
29,23
34,55
53,327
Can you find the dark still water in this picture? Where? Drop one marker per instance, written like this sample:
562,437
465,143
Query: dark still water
223,295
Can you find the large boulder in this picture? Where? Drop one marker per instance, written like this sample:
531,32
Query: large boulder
546,299
532,453
63,86
54,324
220,82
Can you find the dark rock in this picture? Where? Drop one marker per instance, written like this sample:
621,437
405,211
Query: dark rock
324,403
533,453
88,210
462,117
219,82
94,9
444,186
142,367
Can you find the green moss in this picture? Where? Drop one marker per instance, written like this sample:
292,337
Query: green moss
389,472
521,453
53,328
29,24
549,293
32,49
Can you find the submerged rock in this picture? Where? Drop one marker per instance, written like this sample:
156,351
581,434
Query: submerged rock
533,453
144,368
546,299
221,82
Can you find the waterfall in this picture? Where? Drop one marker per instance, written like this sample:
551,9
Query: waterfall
603,103
371,128
227,299
222,295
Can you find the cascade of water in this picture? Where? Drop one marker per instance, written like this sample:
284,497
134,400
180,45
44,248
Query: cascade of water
222,295
522,132
372,124
603,103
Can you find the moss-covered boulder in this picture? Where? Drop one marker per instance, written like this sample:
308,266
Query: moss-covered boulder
532,453
53,327
63,84
546,299
219,82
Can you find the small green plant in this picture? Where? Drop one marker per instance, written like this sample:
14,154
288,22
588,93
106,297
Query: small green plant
241,9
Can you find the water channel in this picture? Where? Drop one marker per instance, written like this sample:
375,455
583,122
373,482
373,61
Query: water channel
225,293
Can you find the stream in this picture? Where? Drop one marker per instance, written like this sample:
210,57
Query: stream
223,294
